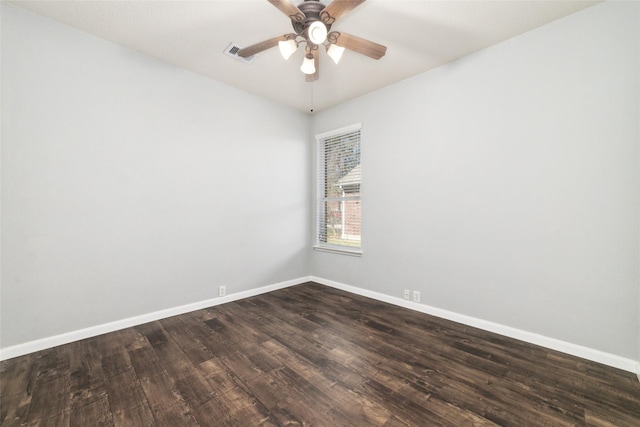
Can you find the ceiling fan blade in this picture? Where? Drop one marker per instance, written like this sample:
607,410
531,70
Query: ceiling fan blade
360,45
288,8
315,76
338,8
259,47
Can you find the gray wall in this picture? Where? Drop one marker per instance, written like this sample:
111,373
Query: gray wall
505,186
130,186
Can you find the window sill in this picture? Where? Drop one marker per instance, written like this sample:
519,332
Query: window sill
341,251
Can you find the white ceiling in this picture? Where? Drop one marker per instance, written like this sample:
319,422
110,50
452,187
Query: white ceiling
419,35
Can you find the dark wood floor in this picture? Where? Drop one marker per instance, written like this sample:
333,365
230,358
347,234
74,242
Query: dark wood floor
315,356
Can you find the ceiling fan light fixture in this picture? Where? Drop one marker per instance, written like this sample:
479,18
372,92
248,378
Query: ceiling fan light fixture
335,52
308,65
287,48
317,32
311,21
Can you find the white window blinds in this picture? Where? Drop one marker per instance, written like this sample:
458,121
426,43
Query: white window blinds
339,179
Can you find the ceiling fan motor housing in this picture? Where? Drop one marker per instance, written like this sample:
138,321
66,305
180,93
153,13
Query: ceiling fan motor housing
312,10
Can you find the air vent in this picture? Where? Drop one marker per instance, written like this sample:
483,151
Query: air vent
232,50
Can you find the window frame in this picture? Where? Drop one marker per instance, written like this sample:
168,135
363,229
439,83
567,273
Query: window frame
320,192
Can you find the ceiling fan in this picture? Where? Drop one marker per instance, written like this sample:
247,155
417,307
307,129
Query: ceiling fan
311,22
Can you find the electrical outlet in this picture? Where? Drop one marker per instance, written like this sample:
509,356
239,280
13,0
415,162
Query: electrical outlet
407,294
416,296
222,291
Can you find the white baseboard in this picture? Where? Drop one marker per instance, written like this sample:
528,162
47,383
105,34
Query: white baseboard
44,343
532,338
552,343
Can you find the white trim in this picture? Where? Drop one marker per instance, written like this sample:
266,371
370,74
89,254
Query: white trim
345,129
341,251
551,343
608,359
92,331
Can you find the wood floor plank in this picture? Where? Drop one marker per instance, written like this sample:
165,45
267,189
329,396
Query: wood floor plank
89,398
17,379
52,385
127,401
311,355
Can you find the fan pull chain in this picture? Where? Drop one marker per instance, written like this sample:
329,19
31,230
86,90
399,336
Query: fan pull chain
311,108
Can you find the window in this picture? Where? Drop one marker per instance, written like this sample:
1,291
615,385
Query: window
338,210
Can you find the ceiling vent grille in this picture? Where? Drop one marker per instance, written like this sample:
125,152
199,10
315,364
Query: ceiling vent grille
232,50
